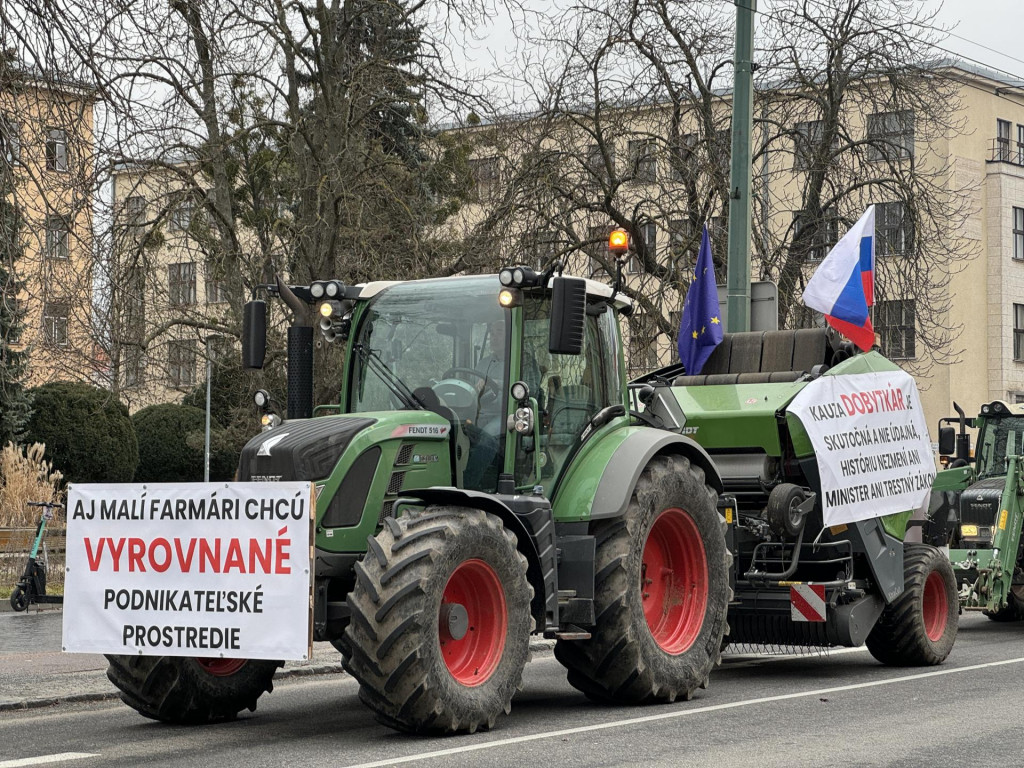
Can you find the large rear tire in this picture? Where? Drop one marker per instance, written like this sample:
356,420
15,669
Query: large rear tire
661,592
440,629
920,626
190,691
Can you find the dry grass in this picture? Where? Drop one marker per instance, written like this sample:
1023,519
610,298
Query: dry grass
26,475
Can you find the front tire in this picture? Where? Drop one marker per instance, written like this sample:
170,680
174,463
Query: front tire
190,691
1014,608
19,600
440,627
920,626
661,592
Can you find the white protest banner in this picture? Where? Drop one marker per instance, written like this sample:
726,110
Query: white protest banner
215,570
870,441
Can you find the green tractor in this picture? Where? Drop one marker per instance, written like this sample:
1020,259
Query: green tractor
488,474
976,511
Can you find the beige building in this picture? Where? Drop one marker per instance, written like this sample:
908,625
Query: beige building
46,148
979,170
164,295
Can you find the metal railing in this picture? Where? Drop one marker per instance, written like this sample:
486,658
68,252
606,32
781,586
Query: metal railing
1004,150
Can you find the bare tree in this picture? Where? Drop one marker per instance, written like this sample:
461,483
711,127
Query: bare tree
247,139
631,129
855,106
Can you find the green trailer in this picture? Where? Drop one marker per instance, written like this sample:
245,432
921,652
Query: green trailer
488,474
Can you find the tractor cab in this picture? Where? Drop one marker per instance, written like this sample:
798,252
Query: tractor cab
456,346
1000,434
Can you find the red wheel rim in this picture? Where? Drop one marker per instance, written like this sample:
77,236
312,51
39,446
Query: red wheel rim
935,610
221,667
674,581
473,655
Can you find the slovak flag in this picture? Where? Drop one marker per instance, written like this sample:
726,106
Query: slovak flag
843,286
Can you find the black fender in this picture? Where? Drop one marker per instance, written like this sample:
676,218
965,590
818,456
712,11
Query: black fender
533,528
629,459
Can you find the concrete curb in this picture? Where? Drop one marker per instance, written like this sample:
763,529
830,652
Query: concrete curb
537,646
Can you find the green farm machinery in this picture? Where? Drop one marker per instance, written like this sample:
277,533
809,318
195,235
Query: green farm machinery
488,473
975,510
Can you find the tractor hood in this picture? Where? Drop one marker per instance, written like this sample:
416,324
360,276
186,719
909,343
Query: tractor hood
303,449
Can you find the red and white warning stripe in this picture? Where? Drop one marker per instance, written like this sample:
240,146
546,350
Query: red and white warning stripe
807,602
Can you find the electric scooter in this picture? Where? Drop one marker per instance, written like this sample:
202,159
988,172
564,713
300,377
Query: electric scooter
31,588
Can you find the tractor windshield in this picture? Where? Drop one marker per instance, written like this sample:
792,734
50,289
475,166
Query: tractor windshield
445,342
998,439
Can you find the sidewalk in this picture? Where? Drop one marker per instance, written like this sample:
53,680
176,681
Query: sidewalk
47,677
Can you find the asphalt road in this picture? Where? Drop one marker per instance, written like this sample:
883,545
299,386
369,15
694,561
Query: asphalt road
840,710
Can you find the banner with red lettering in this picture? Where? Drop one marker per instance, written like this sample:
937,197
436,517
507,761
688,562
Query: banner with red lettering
216,570
870,441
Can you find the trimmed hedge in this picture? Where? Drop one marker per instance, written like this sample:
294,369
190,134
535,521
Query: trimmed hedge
165,453
171,446
88,434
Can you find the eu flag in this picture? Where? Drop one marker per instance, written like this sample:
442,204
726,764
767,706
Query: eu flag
700,329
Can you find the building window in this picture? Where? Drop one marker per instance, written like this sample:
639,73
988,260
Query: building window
718,232
643,347
181,363
643,161
807,143
542,247
597,171
181,215
1018,332
135,212
220,349
682,156
55,323
215,291
891,135
894,323
824,237
58,237
1018,233
894,230
596,249
181,283
10,141
548,165
484,172
133,366
56,149
1003,140
649,232
681,241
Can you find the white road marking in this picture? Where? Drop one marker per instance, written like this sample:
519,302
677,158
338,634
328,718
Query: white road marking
46,759
675,714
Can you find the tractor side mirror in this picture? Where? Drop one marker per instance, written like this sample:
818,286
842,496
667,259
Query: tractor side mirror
254,333
947,441
568,315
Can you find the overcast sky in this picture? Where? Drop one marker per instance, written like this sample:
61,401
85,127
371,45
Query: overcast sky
988,31
995,24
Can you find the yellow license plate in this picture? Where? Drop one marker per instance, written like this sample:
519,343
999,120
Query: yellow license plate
968,530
